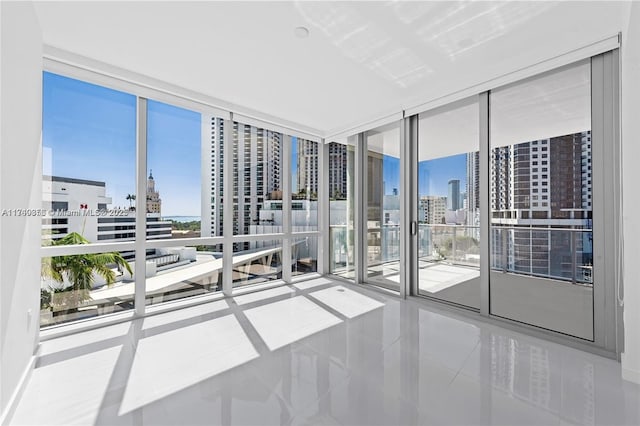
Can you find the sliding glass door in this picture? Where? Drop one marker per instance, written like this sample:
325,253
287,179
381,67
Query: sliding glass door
510,199
448,231
541,202
383,186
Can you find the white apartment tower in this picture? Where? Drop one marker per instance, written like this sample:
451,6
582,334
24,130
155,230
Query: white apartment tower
257,166
212,156
473,194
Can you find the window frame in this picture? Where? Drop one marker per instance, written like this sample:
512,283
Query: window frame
149,89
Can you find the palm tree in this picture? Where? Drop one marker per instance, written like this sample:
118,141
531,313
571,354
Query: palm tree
80,270
130,198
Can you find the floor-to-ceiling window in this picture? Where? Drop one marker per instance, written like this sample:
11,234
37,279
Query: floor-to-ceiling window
114,161
89,169
541,204
513,200
304,189
257,177
341,176
449,203
383,178
178,203
541,201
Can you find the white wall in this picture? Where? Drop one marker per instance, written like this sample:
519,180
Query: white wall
20,187
631,196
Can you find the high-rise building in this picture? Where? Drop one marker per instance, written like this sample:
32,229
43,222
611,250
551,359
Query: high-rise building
549,176
473,180
432,209
257,173
307,168
375,187
543,187
453,200
212,166
257,167
585,161
473,194
337,171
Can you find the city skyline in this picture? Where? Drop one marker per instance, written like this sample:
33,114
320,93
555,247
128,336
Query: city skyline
434,175
89,132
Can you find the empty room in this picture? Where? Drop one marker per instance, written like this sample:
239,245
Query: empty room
319,213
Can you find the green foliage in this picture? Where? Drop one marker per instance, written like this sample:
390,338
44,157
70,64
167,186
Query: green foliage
45,299
464,244
130,198
79,269
194,225
303,195
338,195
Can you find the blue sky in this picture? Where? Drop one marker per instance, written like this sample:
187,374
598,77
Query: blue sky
433,175
390,174
89,132
173,154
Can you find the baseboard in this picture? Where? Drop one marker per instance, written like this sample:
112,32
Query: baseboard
628,374
6,416
631,375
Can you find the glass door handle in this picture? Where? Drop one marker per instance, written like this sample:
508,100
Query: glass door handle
413,228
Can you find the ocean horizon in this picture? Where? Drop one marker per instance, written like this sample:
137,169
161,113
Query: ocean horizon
182,218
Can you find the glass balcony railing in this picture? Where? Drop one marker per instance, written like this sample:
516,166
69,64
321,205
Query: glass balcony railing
383,243
454,244
341,249
564,254
559,253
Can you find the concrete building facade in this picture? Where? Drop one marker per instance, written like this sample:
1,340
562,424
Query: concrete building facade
432,209
82,206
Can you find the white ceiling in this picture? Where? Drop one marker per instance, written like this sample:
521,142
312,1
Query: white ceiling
362,60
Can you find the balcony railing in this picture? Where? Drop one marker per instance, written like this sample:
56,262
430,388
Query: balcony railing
341,249
454,244
564,254
383,244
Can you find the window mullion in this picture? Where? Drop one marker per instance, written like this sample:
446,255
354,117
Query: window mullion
141,208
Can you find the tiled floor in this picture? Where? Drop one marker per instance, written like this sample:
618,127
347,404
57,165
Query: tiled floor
319,353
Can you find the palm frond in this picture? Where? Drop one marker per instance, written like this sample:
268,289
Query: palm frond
106,273
81,269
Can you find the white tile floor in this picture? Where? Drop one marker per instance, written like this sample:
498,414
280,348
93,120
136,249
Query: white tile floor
313,354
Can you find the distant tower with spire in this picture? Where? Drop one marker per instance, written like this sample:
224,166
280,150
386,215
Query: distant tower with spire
154,203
